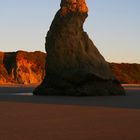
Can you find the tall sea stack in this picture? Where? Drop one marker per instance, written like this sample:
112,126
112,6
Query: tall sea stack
74,66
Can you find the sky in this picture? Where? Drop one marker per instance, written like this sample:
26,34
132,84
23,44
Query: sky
113,25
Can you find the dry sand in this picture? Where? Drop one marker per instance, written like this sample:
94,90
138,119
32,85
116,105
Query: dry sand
70,118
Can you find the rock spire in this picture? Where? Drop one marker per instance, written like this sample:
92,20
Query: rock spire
74,66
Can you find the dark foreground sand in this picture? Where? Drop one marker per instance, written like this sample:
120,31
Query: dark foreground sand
70,118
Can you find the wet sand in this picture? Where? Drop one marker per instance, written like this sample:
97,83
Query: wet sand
19,88
70,118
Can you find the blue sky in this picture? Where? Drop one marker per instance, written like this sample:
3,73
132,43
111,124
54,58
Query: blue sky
113,25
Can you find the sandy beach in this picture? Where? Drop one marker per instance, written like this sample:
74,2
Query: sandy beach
69,118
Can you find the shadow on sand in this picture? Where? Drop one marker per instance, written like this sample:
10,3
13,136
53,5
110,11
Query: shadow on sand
131,100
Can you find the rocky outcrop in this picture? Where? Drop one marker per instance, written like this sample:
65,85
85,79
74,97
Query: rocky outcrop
74,66
126,73
22,67
24,70
4,76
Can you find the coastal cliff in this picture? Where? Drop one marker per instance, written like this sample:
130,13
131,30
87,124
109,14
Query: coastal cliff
126,73
22,67
4,76
29,67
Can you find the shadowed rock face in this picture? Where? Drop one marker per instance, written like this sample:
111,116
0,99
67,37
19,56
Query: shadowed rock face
4,76
74,66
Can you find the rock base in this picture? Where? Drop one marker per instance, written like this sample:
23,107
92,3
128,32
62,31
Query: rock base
90,86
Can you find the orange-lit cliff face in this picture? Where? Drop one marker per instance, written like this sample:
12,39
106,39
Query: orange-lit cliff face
126,73
29,68
22,67
4,76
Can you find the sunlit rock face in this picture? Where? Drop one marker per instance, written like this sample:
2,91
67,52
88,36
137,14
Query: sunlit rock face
68,6
74,66
126,73
4,76
22,67
28,69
